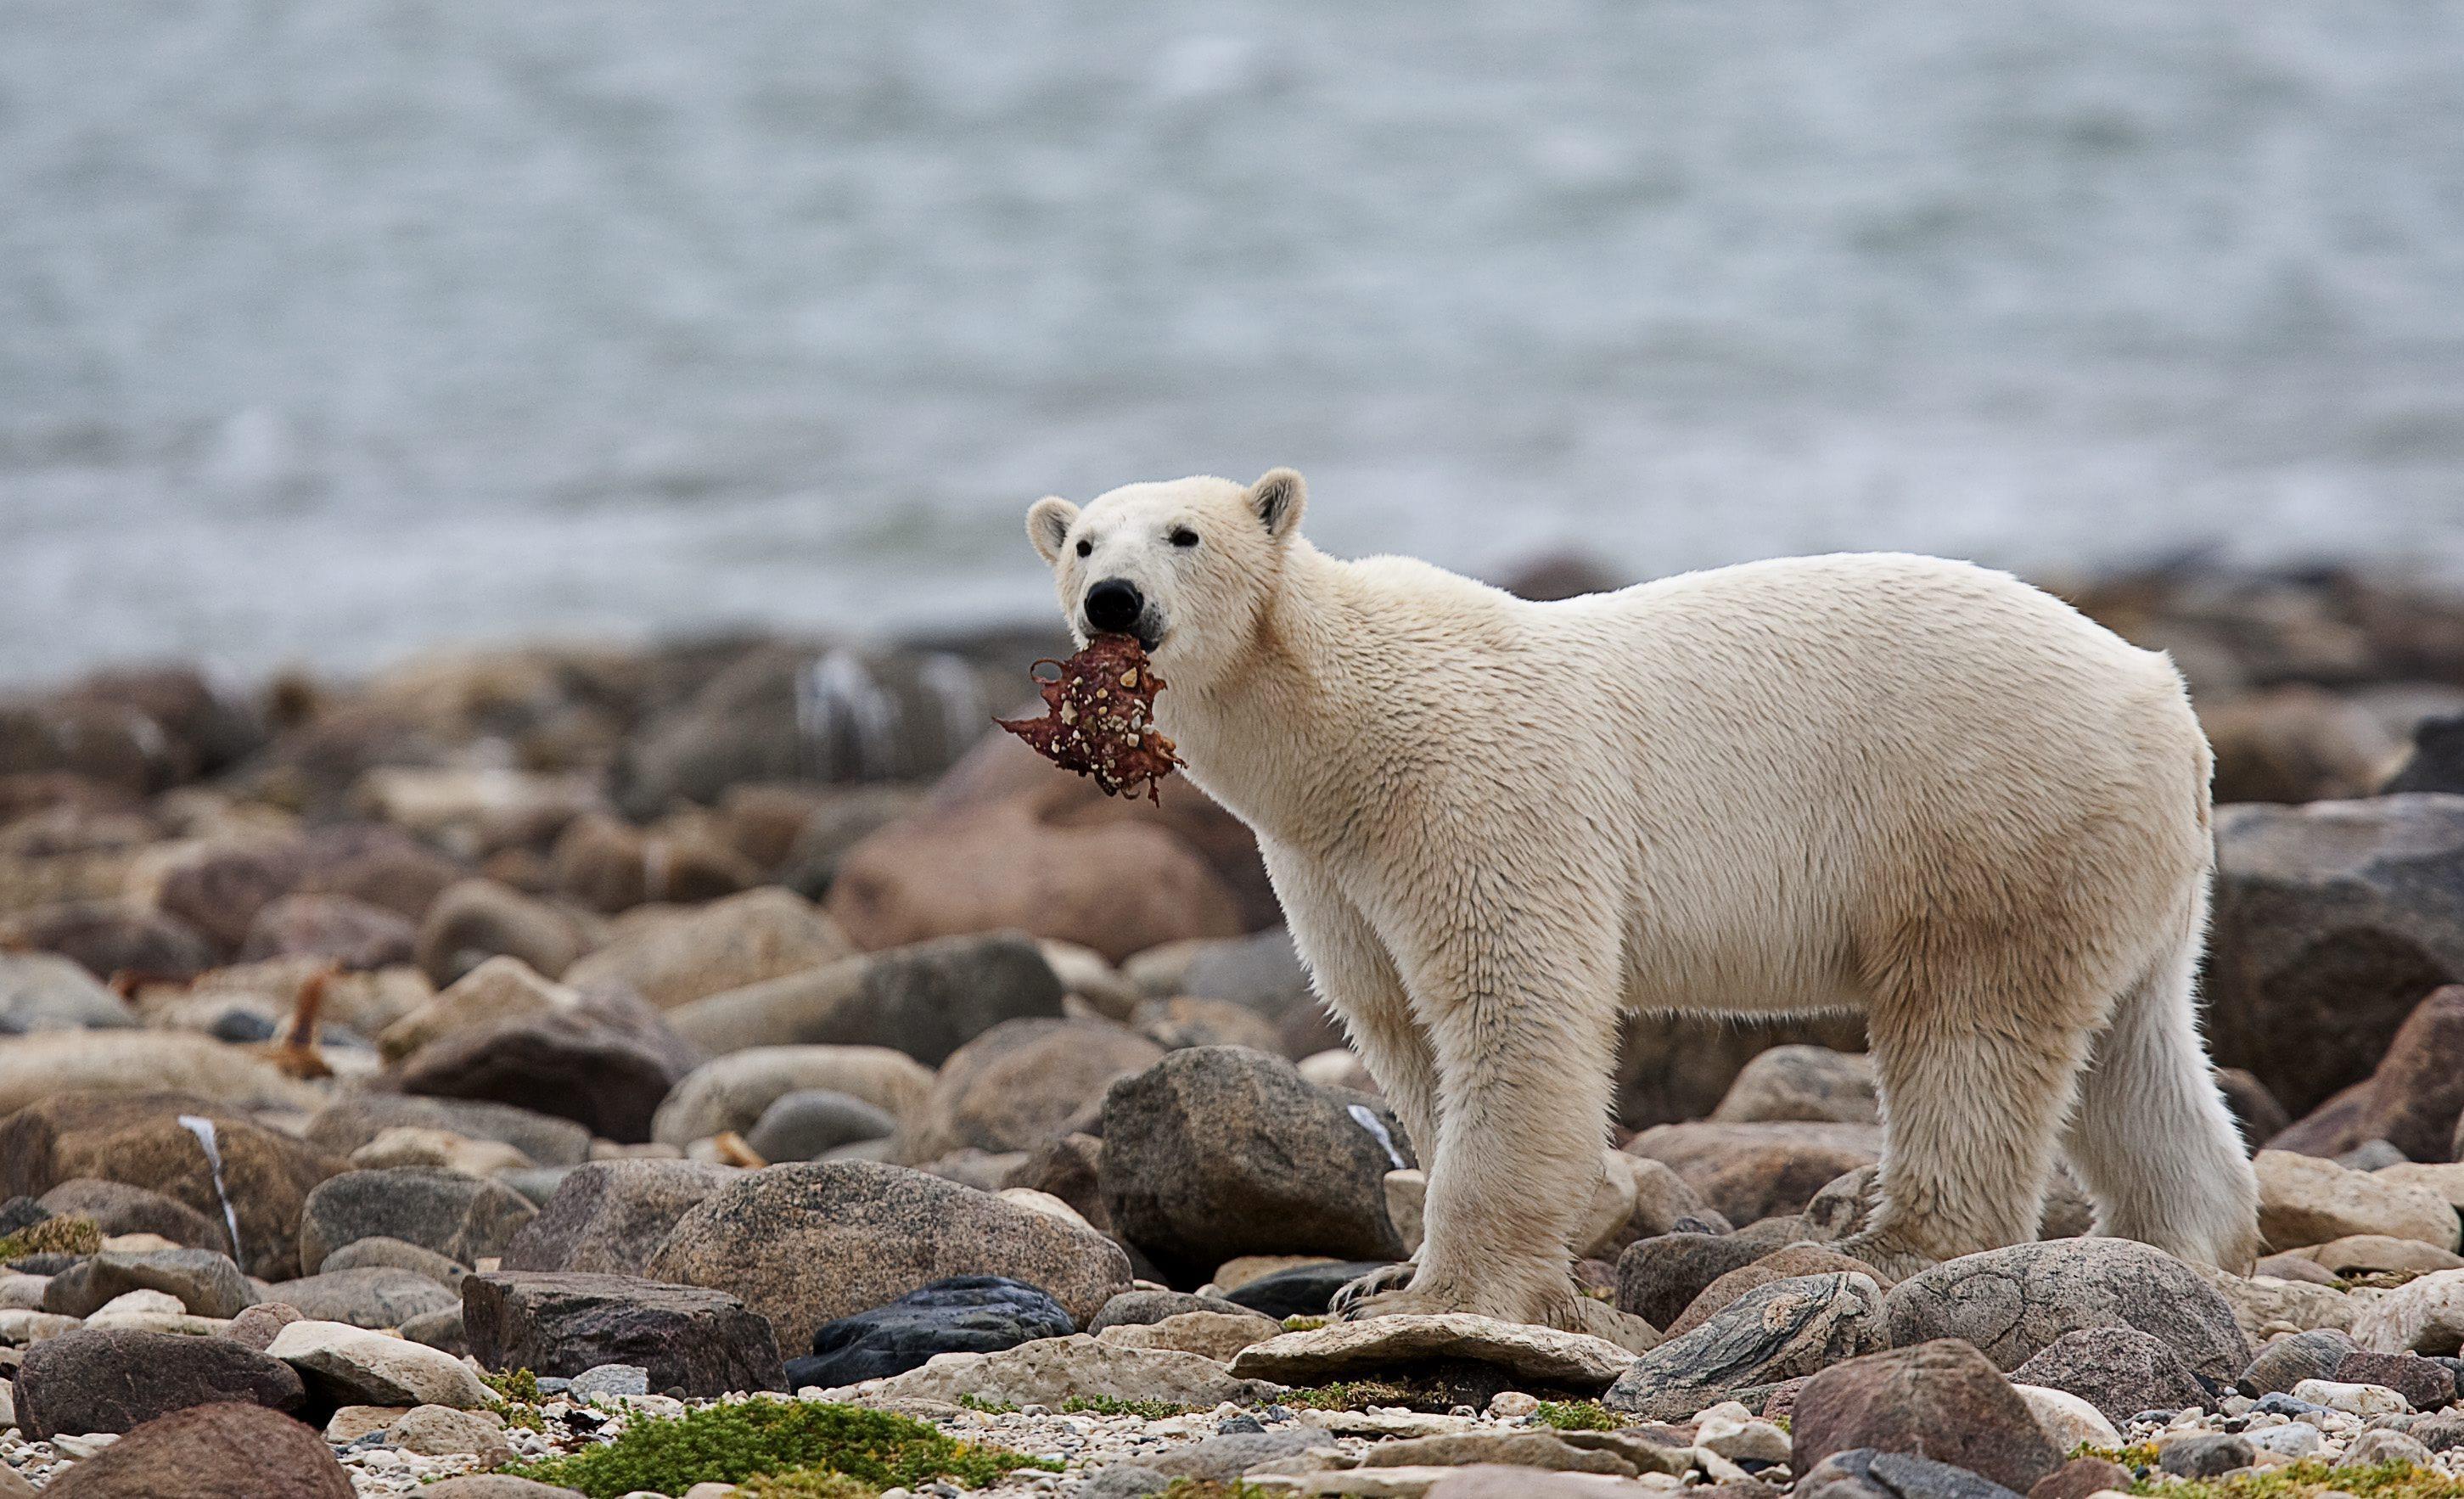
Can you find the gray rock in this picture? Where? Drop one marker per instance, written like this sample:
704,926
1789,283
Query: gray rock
1863,1473
379,1250
731,1092
807,1243
1545,1357
116,1379
1131,1307
43,991
1773,1333
609,1217
1216,1152
2332,920
1222,1459
119,1208
536,1184
353,933
1019,1084
1126,1481
926,1000
255,1327
610,1379
207,1283
1658,1278
495,1485
355,1119
2014,1303
477,920
376,1297
2287,1361
2208,1456
809,1122
441,1330
606,1064
461,1218
705,1343
2119,1370
1755,1171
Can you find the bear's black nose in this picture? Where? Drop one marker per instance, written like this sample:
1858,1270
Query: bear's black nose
1113,607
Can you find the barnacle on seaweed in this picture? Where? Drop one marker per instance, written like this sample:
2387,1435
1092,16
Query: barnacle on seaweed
1099,718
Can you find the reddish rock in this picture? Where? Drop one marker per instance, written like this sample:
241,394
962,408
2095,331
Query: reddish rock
223,1451
1763,1170
1941,1399
2411,1100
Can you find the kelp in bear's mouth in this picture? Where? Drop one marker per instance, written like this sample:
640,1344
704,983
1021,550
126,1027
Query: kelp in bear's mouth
1099,718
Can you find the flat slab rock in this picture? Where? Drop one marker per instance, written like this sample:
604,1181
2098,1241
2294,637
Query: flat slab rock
1544,1356
1051,1370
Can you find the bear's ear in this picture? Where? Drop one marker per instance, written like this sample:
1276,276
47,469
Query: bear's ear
1278,499
1047,523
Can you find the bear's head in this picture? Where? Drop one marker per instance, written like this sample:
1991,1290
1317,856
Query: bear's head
1187,566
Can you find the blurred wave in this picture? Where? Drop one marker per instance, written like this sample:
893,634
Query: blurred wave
330,329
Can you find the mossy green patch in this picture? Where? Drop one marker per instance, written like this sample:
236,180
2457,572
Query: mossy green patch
810,1483
66,1234
518,1398
1107,1405
1212,1488
1580,1416
1303,1324
2307,1480
976,1403
729,1443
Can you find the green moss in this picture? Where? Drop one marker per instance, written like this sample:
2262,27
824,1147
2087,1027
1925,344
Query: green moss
1303,1324
2144,1455
66,1234
732,1443
1210,1488
1107,1405
976,1403
1579,1416
518,1398
810,1483
2306,1480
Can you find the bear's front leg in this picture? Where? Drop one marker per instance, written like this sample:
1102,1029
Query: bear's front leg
1521,1003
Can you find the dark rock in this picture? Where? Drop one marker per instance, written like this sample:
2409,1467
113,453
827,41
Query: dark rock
1221,1459
1069,1168
116,1379
605,1062
1755,1171
966,1313
1941,1399
477,920
2014,1303
1673,1067
2332,920
373,864
441,1330
461,1218
1015,1087
1773,1333
218,1451
109,937
1217,1152
2119,1370
609,1217
207,1283
218,889
119,1208
807,1244
1304,1290
1863,1473
380,1251
355,1119
350,932
2426,1382
2411,1101
2442,1432
2210,1456
705,1343
2287,1361
2436,761
1658,1278
378,1296
138,1138
2255,1113
1138,1307
926,1000
608,866
810,1122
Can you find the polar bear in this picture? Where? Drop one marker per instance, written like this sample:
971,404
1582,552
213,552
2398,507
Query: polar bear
1891,783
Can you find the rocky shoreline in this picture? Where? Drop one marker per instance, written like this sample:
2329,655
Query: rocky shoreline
724,1069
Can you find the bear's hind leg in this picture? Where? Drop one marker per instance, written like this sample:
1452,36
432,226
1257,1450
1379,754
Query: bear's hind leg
1977,1077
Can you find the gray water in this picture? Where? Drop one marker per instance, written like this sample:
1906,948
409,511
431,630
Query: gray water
334,328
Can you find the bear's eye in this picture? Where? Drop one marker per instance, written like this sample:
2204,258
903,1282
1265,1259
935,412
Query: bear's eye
1085,547
1182,536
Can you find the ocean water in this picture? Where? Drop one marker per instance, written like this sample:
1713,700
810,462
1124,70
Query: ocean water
331,329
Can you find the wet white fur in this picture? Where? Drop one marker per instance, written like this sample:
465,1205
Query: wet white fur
1893,783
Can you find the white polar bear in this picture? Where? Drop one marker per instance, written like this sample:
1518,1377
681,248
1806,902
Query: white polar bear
1898,784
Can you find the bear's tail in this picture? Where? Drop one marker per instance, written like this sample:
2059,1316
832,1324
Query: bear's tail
2150,1135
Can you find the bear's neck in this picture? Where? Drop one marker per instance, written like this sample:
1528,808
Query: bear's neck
1265,739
